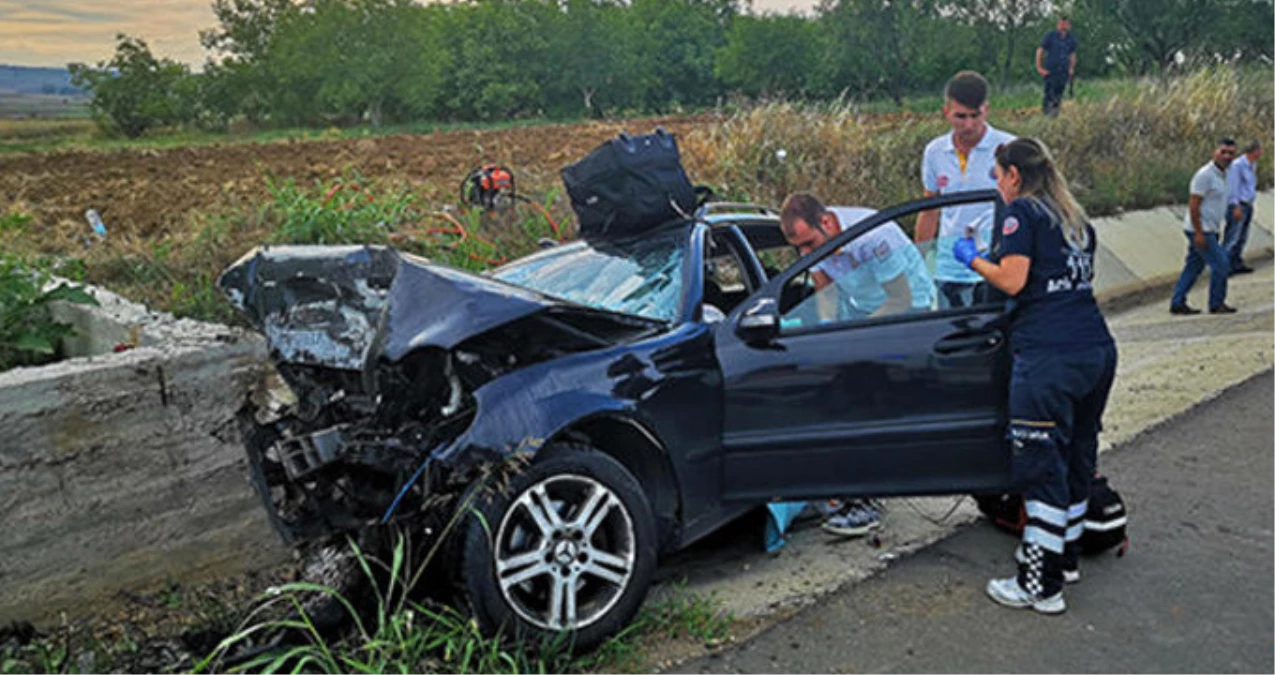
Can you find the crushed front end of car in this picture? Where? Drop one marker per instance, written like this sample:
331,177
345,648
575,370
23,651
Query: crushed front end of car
377,355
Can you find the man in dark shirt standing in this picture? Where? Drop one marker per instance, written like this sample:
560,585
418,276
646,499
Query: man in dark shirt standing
1058,50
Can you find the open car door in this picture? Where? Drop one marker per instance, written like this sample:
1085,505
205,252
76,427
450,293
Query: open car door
829,394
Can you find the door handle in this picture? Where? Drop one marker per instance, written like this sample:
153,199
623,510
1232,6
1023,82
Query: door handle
971,344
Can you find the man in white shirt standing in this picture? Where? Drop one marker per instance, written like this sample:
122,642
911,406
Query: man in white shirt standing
1241,187
961,161
1206,211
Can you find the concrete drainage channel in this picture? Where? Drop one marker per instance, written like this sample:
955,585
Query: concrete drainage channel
123,470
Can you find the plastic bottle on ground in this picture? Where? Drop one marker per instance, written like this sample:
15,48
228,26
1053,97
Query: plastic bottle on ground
95,222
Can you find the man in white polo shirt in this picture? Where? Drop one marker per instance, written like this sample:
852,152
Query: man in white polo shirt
961,161
1206,211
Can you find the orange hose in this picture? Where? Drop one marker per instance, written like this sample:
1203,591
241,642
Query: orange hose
353,187
336,187
458,229
553,224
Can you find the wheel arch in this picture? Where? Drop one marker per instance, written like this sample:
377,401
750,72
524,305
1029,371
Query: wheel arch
630,443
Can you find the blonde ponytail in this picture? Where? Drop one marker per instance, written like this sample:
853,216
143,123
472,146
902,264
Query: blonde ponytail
1042,183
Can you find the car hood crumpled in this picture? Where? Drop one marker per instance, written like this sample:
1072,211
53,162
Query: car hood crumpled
341,306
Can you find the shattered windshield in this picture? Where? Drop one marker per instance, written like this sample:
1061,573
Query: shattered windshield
642,277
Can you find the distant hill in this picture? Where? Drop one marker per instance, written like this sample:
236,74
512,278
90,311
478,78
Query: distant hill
29,80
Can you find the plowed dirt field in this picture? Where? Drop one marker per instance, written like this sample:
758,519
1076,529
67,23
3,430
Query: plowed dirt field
150,192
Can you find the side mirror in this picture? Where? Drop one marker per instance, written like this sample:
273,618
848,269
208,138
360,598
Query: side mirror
759,324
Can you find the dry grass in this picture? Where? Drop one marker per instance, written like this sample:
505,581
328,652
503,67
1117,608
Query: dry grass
24,131
830,150
1130,151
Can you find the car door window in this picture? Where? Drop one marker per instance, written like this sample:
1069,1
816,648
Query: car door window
874,272
774,260
726,284
877,274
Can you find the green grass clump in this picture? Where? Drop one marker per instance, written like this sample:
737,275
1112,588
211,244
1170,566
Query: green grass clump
29,335
405,635
679,615
341,212
14,221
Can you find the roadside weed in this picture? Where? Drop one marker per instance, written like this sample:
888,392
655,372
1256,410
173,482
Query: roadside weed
678,615
28,333
342,211
14,221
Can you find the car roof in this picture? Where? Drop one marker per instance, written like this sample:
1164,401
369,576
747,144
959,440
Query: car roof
758,223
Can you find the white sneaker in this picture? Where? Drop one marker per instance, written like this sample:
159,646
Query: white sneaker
1007,592
1069,576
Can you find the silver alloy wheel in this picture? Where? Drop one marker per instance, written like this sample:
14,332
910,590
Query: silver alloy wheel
564,552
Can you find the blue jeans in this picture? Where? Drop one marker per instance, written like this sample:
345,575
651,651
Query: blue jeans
1237,234
1219,268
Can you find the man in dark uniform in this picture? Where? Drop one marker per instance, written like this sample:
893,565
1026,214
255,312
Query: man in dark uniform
1058,50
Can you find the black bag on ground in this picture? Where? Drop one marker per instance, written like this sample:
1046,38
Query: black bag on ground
629,185
1105,520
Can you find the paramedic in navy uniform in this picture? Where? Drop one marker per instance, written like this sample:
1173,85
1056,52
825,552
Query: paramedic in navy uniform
1064,364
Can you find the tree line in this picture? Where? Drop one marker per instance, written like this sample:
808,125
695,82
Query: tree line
345,62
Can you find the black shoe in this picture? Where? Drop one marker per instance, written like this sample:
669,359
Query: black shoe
1222,309
1182,310
1242,269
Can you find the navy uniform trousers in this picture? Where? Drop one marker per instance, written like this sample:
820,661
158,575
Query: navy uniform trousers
1056,401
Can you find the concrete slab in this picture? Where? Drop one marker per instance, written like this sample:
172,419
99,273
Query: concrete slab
121,470
1109,272
1264,211
1149,244
1261,243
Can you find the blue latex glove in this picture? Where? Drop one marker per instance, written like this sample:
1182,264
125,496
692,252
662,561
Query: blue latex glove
966,251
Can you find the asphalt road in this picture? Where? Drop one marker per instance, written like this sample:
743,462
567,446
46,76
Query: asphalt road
1194,593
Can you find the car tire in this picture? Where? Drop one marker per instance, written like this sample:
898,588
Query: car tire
335,567
567,547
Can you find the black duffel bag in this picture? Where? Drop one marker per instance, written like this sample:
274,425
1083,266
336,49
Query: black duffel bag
629,185
1106,521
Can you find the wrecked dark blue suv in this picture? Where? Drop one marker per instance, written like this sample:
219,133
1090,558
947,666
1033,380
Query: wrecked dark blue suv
614,401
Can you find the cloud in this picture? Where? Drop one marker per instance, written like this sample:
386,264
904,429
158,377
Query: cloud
56,32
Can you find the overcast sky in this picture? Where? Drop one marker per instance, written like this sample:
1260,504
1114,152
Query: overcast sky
57,32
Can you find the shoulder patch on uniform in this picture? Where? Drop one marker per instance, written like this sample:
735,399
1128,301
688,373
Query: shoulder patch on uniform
1010,226
942,180
882,250
991,173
